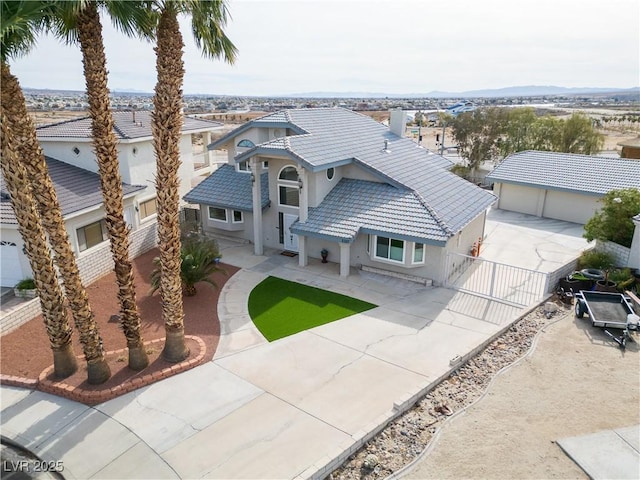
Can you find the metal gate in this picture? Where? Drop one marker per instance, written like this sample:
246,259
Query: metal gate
496,281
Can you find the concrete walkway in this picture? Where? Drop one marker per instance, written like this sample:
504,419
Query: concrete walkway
607,454
293,408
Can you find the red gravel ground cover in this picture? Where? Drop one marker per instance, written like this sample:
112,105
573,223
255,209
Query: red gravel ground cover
25,352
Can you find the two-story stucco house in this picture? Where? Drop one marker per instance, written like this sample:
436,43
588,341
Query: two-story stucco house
73,169
311,179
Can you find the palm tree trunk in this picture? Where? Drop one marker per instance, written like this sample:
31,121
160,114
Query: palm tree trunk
35,243
104,141
167,127
32,157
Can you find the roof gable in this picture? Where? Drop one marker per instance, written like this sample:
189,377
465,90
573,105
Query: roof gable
360,205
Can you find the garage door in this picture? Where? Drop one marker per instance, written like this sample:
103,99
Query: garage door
570,207
517,198
10,269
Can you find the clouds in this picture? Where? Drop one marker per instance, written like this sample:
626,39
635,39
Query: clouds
385,46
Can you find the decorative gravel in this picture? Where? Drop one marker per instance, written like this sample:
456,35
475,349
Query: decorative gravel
405,438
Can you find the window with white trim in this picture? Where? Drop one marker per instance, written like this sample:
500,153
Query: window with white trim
246,166
218,214
148,208
288,190
390,249
418,253
237,217
91,235
246,143
330,173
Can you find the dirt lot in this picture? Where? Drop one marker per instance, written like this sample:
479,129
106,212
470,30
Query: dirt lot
576,381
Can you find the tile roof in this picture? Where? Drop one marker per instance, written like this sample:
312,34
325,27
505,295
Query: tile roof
335,136
355,206
125,127
227,188
568,172
77,189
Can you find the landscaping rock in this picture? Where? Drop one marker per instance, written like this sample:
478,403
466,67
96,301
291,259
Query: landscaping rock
400,442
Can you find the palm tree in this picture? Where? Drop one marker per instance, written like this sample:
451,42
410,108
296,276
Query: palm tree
51,300
80,21
207,20
21,20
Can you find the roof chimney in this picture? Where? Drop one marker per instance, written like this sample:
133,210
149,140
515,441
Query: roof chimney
134,116
398,121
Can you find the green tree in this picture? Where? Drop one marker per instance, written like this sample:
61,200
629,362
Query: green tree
613,222
579,136
519,132
478,133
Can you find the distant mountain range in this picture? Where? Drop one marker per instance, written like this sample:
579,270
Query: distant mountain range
522,91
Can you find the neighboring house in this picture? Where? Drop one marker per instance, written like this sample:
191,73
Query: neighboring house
304,180
80,199
70,142
562,186
73,169
630,148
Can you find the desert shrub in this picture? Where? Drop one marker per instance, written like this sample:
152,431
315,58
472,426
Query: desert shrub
596,259
200,258
26,284
613,222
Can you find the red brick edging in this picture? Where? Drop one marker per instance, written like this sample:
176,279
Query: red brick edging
93,397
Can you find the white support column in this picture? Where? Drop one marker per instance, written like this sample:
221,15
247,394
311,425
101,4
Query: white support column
303,256
256,171
345,259
304,195
208,154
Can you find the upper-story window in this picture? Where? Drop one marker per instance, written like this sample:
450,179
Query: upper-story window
288,190
246,167
246,143
330,173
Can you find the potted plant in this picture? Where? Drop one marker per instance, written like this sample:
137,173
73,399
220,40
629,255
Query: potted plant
324,253
25,288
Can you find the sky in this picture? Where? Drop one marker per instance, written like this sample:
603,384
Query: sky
387,46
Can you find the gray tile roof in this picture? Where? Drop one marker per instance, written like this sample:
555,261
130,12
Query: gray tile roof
125,127
338,136
77,189
360,206
227,188
568,172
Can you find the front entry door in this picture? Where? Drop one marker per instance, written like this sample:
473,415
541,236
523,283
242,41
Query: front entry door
290,239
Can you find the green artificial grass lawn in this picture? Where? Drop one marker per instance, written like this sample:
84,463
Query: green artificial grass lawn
280,308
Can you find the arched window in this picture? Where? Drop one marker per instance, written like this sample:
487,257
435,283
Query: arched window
288,190
246,143
288,174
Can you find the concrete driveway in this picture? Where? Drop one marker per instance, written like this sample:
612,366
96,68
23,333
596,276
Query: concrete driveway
531,242
293,408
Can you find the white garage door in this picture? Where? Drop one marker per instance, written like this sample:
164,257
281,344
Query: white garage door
570,207
10,269
518,198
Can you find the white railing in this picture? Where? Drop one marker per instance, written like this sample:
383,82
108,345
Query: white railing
496,281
